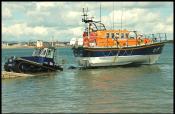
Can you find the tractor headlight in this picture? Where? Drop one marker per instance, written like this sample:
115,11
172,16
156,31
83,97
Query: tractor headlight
51,63
10,60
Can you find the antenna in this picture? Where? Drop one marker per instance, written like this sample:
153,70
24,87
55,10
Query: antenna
86,13
100,15
117,16
100,12
121,18
84,19
52,41
113,15
124,26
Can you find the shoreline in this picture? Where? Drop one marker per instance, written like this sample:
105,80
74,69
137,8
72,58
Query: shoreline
14,47
18,47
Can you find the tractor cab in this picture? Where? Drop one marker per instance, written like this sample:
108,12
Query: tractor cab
44,52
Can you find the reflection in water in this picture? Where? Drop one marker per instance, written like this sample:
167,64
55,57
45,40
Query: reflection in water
103,78
108,86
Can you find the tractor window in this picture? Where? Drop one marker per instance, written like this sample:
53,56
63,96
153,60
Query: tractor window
43,53
36,52
50,54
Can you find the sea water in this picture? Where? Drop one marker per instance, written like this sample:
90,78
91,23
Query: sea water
132,89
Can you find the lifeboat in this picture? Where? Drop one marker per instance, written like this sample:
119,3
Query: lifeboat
104,47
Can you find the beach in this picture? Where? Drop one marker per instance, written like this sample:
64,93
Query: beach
11,47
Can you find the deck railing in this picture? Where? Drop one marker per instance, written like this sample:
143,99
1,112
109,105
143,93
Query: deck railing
154,38
158,37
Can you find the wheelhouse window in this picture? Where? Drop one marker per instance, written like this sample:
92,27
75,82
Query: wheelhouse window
50,53
112,35
122,35
107,35
99,26
94,26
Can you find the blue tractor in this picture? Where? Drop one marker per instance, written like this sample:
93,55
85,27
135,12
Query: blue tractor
42,60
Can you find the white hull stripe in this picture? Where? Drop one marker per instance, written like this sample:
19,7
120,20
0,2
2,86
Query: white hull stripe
117,60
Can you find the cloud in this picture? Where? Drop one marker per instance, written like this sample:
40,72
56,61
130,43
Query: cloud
39,32
40,5
42,20
6,13
169,20
78,31
143,20
17,30
163,27
19,6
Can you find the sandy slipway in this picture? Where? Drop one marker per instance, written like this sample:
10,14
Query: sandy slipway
7,75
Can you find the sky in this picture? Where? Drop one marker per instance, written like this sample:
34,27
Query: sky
62,21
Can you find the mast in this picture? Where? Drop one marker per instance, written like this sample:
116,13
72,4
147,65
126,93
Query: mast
121,15
52,41
113,15
86,20
121,18
88,25
100,11
100,15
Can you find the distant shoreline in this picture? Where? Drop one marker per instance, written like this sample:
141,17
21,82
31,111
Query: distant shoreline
13,47
171,41
18,47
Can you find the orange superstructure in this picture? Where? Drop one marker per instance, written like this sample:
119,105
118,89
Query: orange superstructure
111,38
96,35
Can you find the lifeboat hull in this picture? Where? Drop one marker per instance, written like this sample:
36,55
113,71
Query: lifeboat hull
96,57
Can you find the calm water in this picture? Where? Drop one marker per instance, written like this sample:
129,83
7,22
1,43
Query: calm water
147,88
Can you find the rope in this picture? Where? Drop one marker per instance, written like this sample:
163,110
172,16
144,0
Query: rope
116,56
